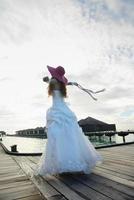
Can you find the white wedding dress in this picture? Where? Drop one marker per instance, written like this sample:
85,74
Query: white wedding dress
67,148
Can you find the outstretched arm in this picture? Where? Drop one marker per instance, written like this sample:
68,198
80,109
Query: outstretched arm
47,79
72,83
90,92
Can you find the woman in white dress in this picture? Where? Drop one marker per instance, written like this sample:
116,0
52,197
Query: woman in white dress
67,148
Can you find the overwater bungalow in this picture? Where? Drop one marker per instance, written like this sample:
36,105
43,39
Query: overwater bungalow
39,132
93,125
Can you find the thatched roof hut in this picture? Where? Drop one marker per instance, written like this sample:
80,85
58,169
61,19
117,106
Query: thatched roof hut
92,125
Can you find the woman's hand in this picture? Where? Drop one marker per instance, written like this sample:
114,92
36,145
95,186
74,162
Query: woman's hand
46,79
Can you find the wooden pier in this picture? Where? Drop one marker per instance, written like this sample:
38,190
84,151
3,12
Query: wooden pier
113,179
14,183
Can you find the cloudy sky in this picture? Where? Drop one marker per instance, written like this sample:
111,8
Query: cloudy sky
92,39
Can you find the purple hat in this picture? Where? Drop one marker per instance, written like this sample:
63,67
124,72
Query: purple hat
58,73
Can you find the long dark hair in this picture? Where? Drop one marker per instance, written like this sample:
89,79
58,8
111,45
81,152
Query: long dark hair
61,87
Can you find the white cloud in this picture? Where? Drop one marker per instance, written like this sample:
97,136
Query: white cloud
92,40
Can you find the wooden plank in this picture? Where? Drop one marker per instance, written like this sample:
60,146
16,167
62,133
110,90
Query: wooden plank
124,169
7,164
113,177
58,185
119,148
10,170
112,184
121,168
111,155
18,194
18,188
34,159
68,192
14,184
111,171
82,189
13,178
45,188
118,155
102,188
35,197
11,173
119,162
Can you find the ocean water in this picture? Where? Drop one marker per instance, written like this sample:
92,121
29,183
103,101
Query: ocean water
25,145
37,145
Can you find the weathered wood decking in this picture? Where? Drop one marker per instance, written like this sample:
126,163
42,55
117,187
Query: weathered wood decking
14,183
114,179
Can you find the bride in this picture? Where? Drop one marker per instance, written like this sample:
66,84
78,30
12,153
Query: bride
67,148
